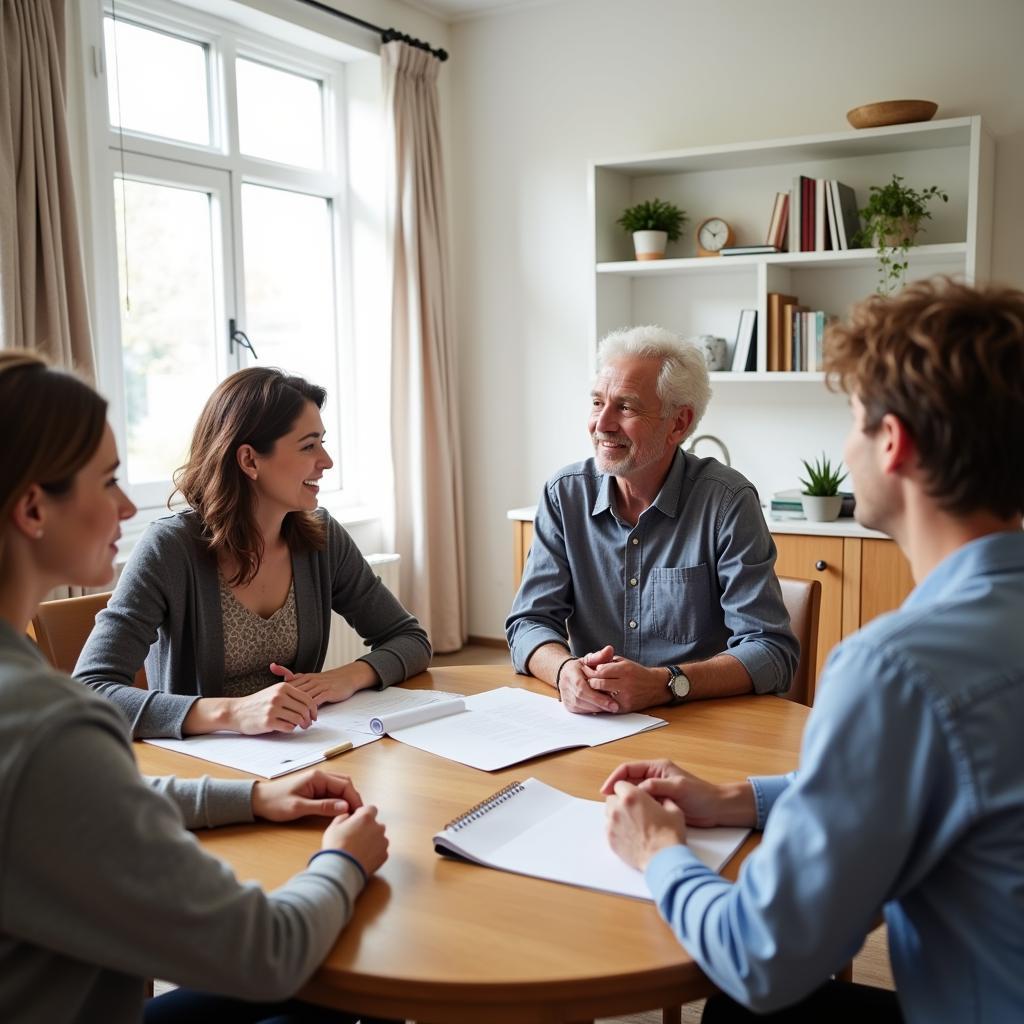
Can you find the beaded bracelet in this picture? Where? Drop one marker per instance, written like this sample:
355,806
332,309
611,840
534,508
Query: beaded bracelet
558,674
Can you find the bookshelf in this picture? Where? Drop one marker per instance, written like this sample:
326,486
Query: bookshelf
694,295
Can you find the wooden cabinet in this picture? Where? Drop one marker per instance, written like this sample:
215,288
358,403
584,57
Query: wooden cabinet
860,577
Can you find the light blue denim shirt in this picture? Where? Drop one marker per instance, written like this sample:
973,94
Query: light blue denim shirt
694,578
909,797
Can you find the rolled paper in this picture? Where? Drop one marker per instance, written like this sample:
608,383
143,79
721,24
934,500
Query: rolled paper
416,716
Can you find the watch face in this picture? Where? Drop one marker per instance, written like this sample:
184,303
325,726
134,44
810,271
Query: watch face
712,234
680,686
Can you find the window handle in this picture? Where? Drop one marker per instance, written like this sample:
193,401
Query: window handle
239,336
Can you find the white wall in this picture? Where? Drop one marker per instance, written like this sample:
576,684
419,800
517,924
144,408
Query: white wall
539,90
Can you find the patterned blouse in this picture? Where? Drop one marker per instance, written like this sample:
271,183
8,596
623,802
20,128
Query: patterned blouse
252,642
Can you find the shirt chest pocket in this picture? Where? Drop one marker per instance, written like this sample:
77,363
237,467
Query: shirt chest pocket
680,602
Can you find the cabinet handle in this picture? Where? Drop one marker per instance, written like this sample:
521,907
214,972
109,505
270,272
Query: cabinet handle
821,565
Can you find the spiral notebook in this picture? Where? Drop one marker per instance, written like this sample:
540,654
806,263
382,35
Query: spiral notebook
530,828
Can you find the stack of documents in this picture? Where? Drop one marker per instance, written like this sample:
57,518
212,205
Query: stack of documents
500,727
337,726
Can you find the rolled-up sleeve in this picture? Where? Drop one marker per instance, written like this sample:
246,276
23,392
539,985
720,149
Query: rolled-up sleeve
545,597
752,602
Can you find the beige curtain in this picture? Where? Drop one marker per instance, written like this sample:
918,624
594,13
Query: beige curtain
429,528
42,282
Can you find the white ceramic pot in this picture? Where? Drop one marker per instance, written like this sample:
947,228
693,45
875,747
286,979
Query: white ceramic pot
650,245
821,510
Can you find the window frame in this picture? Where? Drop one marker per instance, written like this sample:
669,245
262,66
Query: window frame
225,41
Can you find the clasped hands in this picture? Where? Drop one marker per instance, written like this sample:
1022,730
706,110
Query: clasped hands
604,681
650,803
354,828
292,703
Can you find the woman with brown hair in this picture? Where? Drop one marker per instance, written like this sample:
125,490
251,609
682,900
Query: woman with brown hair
229,603
100,885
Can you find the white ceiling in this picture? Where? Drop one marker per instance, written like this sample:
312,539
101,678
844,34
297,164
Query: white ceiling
458,10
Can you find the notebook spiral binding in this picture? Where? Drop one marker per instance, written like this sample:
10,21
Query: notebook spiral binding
468,817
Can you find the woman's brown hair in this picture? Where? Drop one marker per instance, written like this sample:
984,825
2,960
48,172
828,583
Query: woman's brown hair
256,406
51,424
947,359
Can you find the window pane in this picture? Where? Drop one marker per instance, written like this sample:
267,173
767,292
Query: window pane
289,292
279,115
156,83
169,333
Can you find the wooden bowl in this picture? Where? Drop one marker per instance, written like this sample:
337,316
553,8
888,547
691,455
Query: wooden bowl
875,115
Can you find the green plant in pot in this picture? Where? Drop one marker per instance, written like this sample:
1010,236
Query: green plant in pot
821,498
653,223
891,221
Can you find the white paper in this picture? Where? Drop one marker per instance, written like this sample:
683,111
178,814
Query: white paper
414,716
545,833
507,725
278,753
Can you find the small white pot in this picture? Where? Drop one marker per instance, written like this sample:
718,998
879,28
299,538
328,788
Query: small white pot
650,245
821,510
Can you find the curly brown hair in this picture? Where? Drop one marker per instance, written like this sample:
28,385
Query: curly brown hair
256,406
948,360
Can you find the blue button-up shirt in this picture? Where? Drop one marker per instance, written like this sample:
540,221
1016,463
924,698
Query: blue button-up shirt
909,797
693,578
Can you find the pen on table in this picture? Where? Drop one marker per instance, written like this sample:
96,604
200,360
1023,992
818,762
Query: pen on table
338,748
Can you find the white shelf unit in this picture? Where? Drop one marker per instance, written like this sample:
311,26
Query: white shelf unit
738,182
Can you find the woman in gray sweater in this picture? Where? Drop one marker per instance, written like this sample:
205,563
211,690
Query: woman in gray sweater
229,603
100,885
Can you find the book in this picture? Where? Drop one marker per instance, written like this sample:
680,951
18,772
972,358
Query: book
744,353
748,250
776,300
819,215
504,726
777,221
796,215
530,828
786,341
830,212
847,217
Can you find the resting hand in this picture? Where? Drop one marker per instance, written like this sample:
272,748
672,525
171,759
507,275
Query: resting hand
704,804
278,708
359,834
315,792
329,687
575,690
639,826
633,686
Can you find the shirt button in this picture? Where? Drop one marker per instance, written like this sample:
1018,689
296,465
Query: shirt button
636,540
632,582
632,624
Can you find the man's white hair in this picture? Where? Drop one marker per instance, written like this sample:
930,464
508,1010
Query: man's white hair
683,378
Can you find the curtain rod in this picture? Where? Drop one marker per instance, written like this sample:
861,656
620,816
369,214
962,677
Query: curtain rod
387,34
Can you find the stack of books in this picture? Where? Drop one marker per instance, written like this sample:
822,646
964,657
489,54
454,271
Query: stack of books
823,215
795,334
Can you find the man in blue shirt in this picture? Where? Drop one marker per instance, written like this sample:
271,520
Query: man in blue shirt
909,798
651,577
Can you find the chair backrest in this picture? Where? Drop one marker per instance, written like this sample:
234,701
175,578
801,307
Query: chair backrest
803,602
62,627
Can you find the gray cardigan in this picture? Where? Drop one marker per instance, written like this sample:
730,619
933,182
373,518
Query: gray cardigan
100,884
166,611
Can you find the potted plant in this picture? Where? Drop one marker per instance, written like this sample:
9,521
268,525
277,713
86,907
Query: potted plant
653,223
891,221
821,498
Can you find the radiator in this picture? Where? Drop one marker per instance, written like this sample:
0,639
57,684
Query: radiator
345,644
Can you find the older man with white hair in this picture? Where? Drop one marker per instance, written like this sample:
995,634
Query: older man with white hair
651,579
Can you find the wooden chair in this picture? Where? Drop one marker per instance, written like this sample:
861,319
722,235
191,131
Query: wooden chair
60,628
803,602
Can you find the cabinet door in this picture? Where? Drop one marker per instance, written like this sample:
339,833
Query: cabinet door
522,538
817,558
885,578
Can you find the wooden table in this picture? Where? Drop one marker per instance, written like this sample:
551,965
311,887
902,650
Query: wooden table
438,940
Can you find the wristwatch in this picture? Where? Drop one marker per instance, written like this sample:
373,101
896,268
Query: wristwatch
678,684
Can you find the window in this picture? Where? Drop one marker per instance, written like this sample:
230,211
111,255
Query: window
224,203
